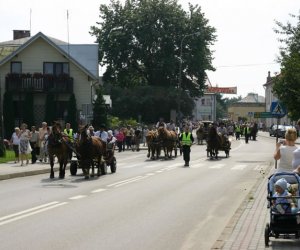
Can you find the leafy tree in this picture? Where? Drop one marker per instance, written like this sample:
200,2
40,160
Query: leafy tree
99,109
287,83
28,109
72,112
147,42
8,114
223,104
50,116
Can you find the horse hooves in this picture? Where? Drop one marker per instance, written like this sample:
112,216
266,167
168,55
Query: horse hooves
92,175
86,177
51,176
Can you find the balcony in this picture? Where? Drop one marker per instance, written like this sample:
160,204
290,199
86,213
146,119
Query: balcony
39,83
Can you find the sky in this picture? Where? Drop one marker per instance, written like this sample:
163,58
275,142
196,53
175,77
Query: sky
245,50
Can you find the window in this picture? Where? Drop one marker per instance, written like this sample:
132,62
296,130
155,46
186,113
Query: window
56,68
16,67
203,101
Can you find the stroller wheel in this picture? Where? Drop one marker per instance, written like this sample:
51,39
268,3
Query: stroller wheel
267,235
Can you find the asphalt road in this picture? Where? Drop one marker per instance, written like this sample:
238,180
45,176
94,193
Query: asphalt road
144,205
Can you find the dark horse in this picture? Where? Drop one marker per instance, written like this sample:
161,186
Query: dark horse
213,143
168,141
58,146
90,150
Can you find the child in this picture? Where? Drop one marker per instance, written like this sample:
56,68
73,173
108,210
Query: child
281,203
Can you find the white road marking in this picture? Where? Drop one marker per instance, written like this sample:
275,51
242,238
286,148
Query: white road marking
197,165
239,167
217,166
56,204
77,197
116,183
150,174
98,190
124,183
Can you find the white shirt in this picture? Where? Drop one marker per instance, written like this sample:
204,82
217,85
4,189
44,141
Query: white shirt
286,158
15,139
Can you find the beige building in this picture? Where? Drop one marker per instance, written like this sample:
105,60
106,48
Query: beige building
245,108
40,64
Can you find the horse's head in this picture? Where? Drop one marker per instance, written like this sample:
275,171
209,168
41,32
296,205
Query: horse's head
83,132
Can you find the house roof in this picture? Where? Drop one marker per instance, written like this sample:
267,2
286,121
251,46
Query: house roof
9,49
252,98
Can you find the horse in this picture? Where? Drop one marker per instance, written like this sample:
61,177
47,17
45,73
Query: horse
90,149
200,134
214,142
58,146
168,139
153,145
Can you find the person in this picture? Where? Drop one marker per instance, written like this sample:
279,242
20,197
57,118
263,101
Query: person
34,143
136,139
171,125
282,203
120,139
69,132
91,131
25,147
161,123
129,134
284,151
102,133
145,133
186,139
110,137
247,132
237,131
15,141
42,132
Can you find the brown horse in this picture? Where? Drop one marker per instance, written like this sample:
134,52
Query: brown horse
168,139
91,149
58,146
153,145
214,142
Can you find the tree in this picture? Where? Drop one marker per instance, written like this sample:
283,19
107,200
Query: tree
8,114
72,112
286,86
140,44
50,112
28,109
99,109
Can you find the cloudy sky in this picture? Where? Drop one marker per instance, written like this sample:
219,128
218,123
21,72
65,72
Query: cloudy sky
245,51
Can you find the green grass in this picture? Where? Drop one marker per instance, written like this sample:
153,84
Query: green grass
9,156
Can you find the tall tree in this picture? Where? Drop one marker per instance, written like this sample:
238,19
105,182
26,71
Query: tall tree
99,109
28,109
154,42
8,114
287,83
72,112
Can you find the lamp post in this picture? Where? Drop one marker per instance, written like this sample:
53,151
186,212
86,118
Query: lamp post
180,69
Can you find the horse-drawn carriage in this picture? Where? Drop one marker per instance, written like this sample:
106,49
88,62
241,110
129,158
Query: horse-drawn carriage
216,143
202,131
91,151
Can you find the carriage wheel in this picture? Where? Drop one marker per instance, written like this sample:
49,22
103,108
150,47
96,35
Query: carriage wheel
103,168
73,168
267,235
113,165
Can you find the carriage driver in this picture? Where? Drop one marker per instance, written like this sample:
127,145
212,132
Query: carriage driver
186,139
69,132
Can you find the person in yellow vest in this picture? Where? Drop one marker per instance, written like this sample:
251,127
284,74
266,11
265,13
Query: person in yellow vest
69,132
186,139
237,131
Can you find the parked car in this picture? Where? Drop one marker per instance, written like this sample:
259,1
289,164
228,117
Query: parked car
279,131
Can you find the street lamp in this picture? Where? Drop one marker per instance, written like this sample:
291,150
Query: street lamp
180,68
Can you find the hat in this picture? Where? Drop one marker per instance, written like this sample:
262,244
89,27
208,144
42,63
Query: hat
296,158
281,183
91,127
109,132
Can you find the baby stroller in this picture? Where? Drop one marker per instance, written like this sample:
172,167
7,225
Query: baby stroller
284,222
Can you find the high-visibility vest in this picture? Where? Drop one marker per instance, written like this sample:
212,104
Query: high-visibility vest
186,139
70,134
237,129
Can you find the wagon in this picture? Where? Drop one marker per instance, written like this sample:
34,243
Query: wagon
108,160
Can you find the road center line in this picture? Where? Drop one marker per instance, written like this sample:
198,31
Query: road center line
28,210
124,183
77,197
98,190
32,213
116,183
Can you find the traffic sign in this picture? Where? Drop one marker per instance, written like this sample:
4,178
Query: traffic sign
277,109
263,115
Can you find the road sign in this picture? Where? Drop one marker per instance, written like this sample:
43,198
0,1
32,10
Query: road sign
263,115
277,109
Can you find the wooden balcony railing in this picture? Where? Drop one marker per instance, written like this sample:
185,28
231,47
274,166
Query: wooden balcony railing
41,83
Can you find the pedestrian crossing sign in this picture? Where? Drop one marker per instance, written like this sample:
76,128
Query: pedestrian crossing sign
277,109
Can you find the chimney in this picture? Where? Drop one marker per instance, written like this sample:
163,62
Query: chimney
21,34
269,78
